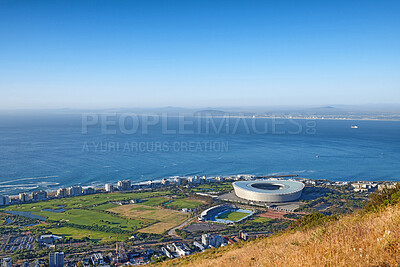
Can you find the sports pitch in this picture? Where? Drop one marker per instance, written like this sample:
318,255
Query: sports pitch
233,216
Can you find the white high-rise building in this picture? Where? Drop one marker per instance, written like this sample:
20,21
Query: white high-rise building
62,192
75,191
23,197
124,185
109,187
205,240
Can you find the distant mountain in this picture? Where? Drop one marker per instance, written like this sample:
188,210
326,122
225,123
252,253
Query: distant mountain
212,112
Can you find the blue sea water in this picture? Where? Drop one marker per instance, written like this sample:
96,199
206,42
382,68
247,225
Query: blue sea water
50,151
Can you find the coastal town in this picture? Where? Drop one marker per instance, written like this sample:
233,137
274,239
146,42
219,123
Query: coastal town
141,223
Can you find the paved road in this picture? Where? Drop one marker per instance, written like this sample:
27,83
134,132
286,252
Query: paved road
172,232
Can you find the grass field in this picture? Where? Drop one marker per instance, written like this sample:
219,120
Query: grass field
204,188
83,201
163,219
93,212
92,217
81,233
184,203
90,211
232,216
261,220
155,201
103,207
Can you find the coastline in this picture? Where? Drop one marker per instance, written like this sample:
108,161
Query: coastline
159,183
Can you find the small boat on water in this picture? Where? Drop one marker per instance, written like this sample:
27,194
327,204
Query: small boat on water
354,126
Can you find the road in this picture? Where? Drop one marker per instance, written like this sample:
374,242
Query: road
172,232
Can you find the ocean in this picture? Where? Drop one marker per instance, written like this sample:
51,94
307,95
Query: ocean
42,151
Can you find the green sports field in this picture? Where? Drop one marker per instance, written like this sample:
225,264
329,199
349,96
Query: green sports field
232,216
182,203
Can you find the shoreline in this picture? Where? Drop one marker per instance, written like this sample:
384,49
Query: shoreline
148,184
100,184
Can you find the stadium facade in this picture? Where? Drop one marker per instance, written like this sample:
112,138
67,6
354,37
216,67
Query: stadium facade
211,213
268,191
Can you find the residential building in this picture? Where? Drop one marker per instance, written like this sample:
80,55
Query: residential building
194,180
109,187
167,253
23,197
97,259
6,262
56,259
386,185
243,235
39,195
179,180
62,192
171,247
124,185
48,239
59,259
4,200
181,252
75,191
217,241
212,241
89,190
52,260
364,186
205,240
198,245
150,184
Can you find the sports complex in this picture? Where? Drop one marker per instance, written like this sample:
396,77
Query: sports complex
268,191
225,214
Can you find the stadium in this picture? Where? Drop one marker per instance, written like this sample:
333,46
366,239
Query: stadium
224,214
268,191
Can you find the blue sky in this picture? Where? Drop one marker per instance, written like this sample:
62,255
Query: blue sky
145,53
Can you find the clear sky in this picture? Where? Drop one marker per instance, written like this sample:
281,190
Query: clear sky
147,53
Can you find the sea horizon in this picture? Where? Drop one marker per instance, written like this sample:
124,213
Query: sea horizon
51,151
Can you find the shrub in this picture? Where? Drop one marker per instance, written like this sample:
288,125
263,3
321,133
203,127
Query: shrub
312,220
383,198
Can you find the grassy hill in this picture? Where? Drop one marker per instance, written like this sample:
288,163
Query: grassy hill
368,238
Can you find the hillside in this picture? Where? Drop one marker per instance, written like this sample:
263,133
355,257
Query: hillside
363,239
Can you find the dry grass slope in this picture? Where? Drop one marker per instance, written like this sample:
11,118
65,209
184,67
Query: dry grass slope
355,240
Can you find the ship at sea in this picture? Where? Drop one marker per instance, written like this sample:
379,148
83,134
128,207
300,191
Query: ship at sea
354,126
